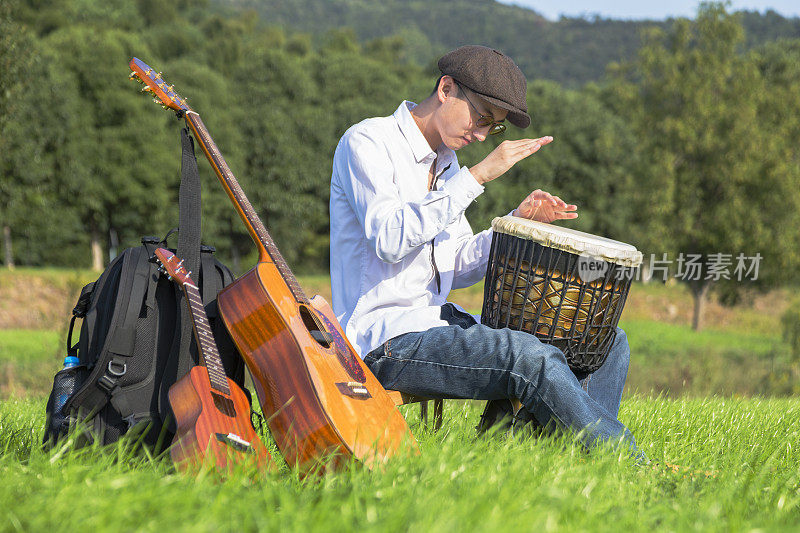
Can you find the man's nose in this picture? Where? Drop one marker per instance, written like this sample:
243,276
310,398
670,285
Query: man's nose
481,136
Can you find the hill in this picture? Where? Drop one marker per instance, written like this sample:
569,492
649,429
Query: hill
571,51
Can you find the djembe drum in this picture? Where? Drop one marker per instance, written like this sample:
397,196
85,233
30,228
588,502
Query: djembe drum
565,286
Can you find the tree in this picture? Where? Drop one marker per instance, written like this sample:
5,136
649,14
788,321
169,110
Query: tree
698,105
120,179
591,162
16,55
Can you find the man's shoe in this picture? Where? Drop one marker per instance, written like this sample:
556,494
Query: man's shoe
498,414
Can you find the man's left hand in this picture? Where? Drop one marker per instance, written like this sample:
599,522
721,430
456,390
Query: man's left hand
544,207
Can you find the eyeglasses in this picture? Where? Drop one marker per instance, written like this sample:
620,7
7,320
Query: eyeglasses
495,128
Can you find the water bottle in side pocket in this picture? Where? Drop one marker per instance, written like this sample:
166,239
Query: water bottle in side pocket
65,383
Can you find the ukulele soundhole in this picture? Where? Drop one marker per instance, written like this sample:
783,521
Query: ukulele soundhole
224,405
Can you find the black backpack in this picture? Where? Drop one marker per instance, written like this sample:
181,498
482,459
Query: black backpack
136,339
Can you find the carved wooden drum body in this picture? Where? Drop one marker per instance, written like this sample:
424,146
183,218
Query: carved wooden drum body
565,286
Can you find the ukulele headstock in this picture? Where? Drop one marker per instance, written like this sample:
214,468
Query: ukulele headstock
170,265
155,86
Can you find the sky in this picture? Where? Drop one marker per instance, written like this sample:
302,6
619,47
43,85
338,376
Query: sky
646,9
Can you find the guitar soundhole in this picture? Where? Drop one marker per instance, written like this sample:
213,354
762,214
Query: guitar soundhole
224,405
347,358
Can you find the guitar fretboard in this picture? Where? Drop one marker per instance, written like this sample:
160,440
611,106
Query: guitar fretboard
254,225
206,344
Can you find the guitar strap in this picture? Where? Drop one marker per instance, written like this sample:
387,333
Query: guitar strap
180,361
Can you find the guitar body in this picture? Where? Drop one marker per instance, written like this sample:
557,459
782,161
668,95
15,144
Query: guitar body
209,423
300,381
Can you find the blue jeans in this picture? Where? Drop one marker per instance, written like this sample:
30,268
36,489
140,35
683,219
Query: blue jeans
472,361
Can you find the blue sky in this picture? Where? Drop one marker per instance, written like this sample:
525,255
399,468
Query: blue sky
641,9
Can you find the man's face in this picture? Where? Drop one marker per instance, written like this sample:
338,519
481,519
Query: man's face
459,113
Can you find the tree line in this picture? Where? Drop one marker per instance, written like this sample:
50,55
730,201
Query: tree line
689,147
570,51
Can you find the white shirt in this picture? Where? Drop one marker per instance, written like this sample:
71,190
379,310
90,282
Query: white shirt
383,219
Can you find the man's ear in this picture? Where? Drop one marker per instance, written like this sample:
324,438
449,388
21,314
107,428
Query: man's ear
447,87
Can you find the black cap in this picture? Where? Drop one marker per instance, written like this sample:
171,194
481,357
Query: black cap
492,75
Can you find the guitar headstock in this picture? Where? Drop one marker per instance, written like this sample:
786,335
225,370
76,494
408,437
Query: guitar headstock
155,85
173,267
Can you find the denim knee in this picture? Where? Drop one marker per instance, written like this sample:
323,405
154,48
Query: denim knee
535,361
620,353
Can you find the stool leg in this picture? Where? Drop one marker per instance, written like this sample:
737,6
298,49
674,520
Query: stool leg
438,413
423,412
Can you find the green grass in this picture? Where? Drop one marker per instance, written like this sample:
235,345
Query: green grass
740,470
739,455
54,275
22,345
665,358
674,360
661,340
28,360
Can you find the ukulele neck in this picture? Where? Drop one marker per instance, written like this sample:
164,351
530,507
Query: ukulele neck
209,355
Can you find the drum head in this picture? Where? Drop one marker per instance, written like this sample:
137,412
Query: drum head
569,240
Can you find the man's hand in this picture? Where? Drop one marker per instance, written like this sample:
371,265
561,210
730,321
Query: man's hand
505,156
544,207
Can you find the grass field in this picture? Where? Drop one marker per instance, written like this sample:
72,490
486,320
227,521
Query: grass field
739,470
699,400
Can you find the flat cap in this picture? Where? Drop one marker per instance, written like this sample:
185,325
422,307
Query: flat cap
492,75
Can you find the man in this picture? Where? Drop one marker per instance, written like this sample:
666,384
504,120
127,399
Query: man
400,243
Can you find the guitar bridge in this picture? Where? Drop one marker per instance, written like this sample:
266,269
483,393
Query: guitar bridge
354,389
236,442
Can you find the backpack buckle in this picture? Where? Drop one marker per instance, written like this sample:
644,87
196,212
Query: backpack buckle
106,383
130,420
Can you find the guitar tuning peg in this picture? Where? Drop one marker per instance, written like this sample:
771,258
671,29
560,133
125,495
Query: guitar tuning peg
148,72
170,88
132,76
146,89
164,107
156,101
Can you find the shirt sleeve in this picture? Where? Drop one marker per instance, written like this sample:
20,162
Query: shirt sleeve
472,255
395,228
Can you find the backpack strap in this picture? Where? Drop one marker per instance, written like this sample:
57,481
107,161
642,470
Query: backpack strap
79,311
101,386
122,342
210,282
151,245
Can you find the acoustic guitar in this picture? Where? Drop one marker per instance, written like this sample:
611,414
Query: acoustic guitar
322,403
211,411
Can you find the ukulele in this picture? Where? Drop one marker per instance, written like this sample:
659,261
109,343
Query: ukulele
211,411
322,403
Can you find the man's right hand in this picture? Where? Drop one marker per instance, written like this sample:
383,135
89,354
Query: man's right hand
505,156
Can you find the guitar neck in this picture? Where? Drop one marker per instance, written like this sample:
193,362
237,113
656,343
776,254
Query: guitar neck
267,251
206,345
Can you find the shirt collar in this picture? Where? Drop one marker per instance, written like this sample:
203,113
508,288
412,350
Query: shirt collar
416,140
